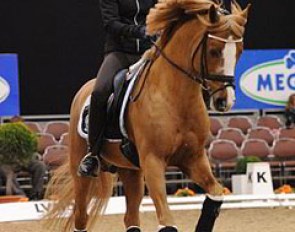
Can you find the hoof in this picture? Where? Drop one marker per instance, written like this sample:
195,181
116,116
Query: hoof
133,229
168,229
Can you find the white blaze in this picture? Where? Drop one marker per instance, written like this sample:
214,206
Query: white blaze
231,98
229,56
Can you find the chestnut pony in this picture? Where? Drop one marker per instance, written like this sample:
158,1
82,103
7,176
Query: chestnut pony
168,122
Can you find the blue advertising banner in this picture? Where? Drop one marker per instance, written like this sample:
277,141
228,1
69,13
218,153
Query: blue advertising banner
9,94
265,79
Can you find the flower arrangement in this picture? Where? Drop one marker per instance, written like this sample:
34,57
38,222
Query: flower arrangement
285,189
184,192
226,191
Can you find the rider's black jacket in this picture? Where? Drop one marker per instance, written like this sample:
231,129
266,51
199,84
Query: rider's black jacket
124,22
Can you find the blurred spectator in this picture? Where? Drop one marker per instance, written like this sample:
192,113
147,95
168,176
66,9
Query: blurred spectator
37,171
35,167
8,179
290,111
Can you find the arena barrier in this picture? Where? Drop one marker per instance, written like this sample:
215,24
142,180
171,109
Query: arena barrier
35,210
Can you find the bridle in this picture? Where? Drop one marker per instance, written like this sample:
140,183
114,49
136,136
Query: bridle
203,76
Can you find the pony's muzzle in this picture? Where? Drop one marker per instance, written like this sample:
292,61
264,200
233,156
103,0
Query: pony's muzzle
221,104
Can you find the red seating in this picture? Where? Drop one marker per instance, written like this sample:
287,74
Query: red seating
57,128
55,155
45,140
223,156
34,127
287,133
221,150
241,122
284,149
215,125
64,139
232,134
263,133
272,122
255,147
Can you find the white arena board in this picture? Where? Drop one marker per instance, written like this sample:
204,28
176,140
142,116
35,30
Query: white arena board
35,210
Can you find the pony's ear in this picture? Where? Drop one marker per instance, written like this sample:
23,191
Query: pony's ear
245,12
217,1
235,7
213,14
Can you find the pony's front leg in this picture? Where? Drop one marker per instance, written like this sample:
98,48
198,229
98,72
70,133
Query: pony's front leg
133,184
154,172
199,170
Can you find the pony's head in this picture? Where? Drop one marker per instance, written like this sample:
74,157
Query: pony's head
216,43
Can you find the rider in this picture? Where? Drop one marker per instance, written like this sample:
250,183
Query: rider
126,41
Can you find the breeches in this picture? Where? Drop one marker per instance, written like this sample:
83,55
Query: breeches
112,64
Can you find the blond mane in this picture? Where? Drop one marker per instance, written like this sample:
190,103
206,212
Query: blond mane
166,12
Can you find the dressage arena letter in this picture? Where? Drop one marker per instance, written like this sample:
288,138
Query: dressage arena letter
259,178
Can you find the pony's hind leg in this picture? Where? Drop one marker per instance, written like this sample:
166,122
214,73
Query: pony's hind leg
154,172
133,184
199,170
82,185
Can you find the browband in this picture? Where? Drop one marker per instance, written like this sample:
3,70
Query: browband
225,40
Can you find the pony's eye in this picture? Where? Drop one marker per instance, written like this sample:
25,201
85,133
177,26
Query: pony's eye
215,53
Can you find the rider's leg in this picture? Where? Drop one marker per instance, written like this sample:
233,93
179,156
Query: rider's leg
113,62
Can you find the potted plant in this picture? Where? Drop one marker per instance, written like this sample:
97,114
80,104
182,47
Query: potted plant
285,189
184,192
241,166
239,180
17,148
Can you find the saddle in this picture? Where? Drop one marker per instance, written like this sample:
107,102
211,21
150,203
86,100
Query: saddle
124,82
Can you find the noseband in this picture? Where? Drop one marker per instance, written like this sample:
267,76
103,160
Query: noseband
203,76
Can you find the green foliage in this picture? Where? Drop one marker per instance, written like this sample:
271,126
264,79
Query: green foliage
17,144
241,167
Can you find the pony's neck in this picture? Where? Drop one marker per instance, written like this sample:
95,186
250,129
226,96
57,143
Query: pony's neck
179,50
180,45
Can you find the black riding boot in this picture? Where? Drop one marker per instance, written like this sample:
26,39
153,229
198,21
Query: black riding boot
90,164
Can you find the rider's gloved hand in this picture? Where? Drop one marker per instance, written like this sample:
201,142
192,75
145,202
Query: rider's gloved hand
142,31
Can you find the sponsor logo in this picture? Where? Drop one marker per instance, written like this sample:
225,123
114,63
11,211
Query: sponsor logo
271,82
4,89
43,207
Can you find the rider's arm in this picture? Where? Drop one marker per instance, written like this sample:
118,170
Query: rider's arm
113,24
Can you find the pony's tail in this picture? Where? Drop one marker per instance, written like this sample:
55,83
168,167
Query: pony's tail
61,190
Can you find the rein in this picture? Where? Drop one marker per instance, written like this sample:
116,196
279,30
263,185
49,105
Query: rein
188,74
204,75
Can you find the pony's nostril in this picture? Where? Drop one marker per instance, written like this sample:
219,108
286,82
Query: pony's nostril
221,103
